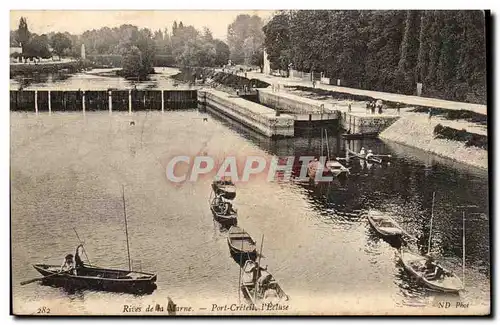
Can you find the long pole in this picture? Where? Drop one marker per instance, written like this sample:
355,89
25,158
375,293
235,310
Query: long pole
463,249
126,227
258,267
432,217
239,279
327,148
84,252
321,154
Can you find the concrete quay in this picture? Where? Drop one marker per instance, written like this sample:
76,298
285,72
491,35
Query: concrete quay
255,116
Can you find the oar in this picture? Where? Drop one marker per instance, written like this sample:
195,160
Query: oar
39,279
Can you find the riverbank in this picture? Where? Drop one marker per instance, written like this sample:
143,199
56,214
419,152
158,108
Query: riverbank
69,66
225,81
415,130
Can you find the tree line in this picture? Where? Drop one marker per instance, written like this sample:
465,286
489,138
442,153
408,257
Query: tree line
385,50
136,49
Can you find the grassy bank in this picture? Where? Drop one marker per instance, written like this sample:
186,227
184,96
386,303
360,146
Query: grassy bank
29,69
415,130
223,78
455,114
469,139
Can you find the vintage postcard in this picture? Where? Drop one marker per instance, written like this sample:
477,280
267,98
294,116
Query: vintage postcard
278,162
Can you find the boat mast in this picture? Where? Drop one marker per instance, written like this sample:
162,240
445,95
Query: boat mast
258,268
321,154
126,227
327,149
432,217
463,249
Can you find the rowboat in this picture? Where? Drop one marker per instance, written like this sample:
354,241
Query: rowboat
385,225
352,136
415,264
98,279
371,159
225,219
336,169
241,244
225,188
259,286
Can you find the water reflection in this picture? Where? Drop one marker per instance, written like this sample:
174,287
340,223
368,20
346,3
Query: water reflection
96,79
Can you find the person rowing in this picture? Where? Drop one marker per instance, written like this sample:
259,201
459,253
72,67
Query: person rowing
369,154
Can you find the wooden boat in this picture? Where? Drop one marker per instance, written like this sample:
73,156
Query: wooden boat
99,279
415,265
352,136
372,159
229,219
336,168
225,188
385,225
259,286
241,244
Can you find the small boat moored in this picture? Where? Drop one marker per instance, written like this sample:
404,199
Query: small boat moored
225,188
437,278
223,212
241,244
384,225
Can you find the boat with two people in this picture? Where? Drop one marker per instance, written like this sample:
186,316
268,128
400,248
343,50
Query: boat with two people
427,270
259,286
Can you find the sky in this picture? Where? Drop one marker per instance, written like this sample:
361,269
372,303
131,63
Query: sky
78,21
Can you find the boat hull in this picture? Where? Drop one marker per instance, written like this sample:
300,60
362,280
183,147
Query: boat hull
452,285
225,220
144,285
394,232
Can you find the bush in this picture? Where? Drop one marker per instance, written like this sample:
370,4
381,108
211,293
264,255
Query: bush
470,139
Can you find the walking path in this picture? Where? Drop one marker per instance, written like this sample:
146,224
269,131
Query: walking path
405,99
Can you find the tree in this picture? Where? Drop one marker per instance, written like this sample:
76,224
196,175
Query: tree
409,52
277,40
60,43
38,46
23,34
132,63
245,28
221,52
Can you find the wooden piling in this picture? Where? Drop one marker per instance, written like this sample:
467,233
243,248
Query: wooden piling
130,102
50,104
162,102
110,102
83,102
36,101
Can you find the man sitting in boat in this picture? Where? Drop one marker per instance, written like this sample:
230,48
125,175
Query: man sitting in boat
264,282
68,265
369,154
226,206
362,152
432,271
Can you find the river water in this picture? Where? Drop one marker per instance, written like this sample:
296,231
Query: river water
67,170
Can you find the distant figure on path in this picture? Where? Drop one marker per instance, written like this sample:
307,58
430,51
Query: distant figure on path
430,114
314,83
349,108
